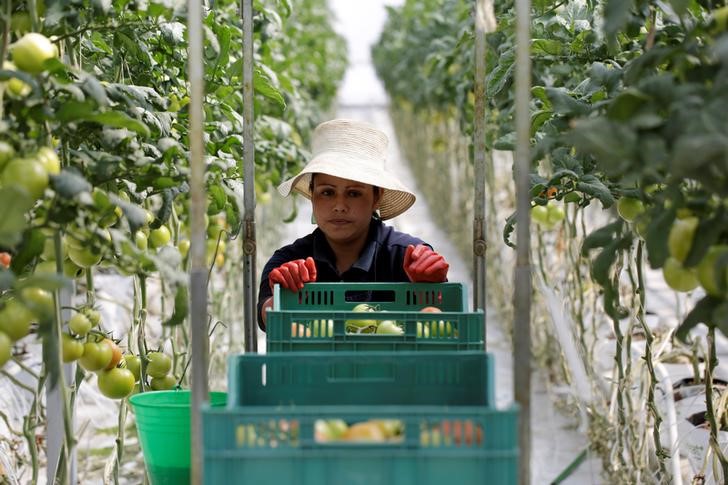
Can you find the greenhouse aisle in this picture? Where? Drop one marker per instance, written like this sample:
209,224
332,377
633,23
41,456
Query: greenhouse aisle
555,441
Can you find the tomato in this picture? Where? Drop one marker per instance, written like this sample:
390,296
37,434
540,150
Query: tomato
15,86
431,309
141,240
94,316
184,247
5,259
6,348
326,430
434,328
159,364
27,174
540,215
84,257
159,237
367,431
678,277
96,356
39,301
116,383
710,279
79,324
133,363
163,383
49,159
362,325
31,51
389,327
115,353
423,331
15,319
7,152
629,208
322,328
556,213
300,330
71,348
680,239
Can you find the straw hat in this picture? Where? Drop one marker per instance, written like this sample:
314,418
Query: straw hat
352,150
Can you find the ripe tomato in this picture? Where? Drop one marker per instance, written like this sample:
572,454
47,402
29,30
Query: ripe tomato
116,383
115,353
15,319
159,364
159,237
5,259
31,51
71,348
6,348
629,208
300,330
96,356
27,174
79,324
163,383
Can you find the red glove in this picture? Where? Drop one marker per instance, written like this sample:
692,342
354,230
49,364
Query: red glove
423,265
293,274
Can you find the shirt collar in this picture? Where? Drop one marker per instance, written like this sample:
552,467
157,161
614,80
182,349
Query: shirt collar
323,252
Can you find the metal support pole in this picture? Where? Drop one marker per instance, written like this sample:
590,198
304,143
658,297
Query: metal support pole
522,294
198,271
479,239
55,432
249,247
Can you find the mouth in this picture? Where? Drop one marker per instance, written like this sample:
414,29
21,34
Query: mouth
339,222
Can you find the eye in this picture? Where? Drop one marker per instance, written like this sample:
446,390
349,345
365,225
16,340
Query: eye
325,192
355,193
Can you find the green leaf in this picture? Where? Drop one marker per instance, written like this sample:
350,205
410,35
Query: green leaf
546,47
136,216
626,104
614,146
564,104
601,237
602,264
658,231
616,15
701,313
69,183
264,86
14,203
31,246
500,77
538,119
118,119
508,229
592,186
181,307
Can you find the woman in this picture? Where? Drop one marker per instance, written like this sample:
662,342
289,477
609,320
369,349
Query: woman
351,194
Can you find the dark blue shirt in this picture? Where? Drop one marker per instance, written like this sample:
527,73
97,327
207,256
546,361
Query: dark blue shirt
381,259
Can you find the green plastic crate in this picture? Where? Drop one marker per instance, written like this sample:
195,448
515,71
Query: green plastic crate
324,308
444,400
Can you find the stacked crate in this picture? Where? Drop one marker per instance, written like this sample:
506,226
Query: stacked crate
434,386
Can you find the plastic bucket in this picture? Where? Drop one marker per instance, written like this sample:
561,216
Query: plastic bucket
163,426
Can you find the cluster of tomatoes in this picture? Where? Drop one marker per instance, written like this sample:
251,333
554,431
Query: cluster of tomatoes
118,374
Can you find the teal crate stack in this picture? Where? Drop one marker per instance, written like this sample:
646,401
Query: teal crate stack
429,390
324,308
443,401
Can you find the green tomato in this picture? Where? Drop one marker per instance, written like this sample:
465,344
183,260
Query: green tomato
71,348
39,301
79,324
116,383
629,208
423,331
184,247
15,319
84,257
94,316
680,239
141,240
713,279
556,214
7,152
163,383
389,327
27,174
134,364
678,277
16,86
49,159
362,325
6,348
31,51
159,237
322,328
540,215
96,356
158,365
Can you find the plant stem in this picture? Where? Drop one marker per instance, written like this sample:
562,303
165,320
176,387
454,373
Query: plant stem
710,366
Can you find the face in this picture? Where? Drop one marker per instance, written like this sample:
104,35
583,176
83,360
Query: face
343,208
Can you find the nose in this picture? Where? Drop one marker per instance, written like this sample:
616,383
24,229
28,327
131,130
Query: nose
340,204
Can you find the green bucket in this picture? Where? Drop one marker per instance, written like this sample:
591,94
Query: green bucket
163,426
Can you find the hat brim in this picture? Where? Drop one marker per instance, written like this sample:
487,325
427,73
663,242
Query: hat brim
396,198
